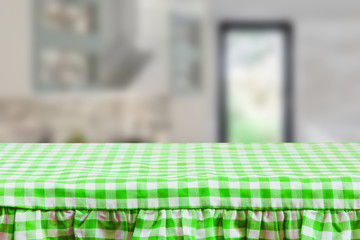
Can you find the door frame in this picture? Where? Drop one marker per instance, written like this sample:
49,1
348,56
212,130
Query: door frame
287,89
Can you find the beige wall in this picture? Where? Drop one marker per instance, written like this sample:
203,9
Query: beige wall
14,47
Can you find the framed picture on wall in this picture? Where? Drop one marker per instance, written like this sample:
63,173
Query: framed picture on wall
255,82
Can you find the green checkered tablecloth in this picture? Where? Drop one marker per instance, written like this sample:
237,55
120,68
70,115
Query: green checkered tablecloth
180,191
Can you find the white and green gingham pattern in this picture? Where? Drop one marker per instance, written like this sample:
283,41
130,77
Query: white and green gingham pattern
179,224
180,191
180,176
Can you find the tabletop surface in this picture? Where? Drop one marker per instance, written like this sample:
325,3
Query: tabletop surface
180,175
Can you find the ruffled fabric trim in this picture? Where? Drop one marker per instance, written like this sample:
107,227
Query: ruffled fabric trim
179,224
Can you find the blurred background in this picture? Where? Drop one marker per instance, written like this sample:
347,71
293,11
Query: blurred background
179,71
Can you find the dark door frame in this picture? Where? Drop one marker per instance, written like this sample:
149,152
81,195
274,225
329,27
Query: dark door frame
287,90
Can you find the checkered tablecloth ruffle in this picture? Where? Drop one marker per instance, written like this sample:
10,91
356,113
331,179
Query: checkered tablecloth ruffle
171,191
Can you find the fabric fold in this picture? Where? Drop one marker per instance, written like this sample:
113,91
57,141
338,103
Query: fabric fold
179,224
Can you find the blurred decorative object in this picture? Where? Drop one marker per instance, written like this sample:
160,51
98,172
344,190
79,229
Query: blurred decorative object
66,68
70,16
255,82
76,137
186,52
85,119
21,120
